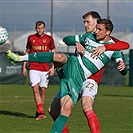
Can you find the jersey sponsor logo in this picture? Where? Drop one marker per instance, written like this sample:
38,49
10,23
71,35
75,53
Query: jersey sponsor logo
40,47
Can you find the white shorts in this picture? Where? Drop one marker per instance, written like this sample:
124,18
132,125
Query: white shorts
38,77
89,88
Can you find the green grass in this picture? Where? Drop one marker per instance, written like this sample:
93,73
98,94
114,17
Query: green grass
113,106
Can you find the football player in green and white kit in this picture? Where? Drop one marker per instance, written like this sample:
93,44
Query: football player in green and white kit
75,69
90,85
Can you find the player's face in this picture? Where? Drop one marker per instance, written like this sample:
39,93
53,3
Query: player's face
102,34
90,24
40,29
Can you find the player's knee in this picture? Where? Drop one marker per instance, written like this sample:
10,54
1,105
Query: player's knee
57,56
86,103
86,108
66,109
36,93
43,91
60,57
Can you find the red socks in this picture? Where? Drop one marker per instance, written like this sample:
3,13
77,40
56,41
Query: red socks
65,130
40,109
93,121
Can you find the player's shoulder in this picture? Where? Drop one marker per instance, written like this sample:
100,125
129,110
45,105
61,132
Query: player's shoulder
47,36
32,35
89,34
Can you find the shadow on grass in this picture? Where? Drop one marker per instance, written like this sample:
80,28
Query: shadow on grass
118,95
17,114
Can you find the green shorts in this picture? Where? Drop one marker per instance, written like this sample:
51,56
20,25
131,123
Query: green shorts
71,79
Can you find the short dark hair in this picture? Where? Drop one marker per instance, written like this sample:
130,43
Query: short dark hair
94,14
39,23
107,23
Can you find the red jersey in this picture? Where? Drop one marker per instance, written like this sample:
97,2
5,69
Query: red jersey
37,43
97,76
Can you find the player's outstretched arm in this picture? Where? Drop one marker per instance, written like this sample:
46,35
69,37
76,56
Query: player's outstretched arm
118,45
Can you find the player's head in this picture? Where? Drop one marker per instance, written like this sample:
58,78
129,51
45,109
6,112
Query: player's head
104,28
40,27
90,20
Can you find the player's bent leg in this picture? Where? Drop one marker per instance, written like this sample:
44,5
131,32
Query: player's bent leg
41,57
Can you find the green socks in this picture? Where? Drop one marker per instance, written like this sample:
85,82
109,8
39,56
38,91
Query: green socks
41,57
59,124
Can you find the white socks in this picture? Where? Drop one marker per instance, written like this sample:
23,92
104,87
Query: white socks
24,58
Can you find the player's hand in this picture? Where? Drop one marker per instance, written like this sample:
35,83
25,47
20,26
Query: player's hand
96,52
79,48
121,65
24,72
51,72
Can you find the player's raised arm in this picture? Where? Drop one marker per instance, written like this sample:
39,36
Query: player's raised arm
118,45
69,40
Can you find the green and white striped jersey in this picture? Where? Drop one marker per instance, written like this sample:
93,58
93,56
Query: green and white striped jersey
90,65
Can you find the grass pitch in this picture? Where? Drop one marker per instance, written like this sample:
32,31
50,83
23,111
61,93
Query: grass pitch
113,106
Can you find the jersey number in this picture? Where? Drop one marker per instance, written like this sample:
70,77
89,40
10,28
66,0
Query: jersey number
90,86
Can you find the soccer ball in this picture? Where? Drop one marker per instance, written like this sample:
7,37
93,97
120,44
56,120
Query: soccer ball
3,35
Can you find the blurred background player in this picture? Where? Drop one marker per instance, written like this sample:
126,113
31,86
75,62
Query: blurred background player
39,72
90,21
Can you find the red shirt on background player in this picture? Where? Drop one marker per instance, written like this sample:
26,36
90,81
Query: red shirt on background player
36,43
